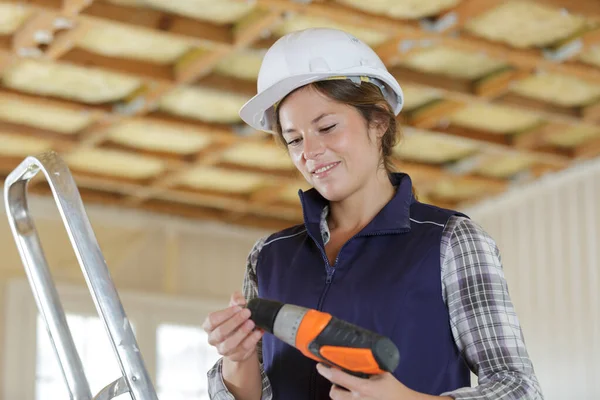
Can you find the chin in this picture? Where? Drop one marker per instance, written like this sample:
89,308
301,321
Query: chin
331,191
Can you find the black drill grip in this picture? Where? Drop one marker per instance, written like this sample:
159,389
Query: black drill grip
339,333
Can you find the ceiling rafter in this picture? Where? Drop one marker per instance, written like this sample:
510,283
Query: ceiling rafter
52,32
530,60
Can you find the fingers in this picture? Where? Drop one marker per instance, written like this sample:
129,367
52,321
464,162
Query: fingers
232,331
338,393
218,317
237,299
249,344
232,343
340,378
225,329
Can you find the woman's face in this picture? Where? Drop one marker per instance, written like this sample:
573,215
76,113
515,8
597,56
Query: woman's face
329,143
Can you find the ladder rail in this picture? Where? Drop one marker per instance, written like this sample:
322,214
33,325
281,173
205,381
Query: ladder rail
94,268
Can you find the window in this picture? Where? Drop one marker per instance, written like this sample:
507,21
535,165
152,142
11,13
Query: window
96,353
183,358
168,331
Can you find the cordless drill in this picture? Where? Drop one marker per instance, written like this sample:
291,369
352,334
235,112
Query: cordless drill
324,338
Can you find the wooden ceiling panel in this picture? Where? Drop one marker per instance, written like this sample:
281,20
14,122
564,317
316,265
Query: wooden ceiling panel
92,86
12,17
221,12
295,22
432,148
562,90
59,119
408,9
139,134
14,145
119,164
526,24
494,119
416,97
453,63
141,97
453,191
261,155
128,42
204,104
242,64
504,166
216,179
573,137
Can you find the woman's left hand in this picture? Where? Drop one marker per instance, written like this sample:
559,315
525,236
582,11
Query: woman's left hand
379,387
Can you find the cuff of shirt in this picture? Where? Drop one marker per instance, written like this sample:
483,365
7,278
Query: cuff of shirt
523,392
464,394
216,386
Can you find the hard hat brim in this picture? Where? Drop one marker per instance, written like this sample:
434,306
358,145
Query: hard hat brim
255,111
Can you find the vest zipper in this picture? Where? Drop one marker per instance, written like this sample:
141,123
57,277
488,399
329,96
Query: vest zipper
330,272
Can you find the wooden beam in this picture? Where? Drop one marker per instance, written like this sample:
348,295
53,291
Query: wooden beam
495,85
253,27
459,94
134,68
196,65
49,4
517,101
429,116
408,76
591,113
453,20
61,141
589,9
41,101
49,34
479,135
589,149
169,179
146,17
536,139
341,14
278,174
529,60
523,142
203,213
228,84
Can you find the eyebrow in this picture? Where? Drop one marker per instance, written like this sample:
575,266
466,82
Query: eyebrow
314,121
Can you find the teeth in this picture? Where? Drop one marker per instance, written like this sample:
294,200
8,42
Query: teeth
324,168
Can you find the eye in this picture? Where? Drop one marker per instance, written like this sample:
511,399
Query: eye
293,142
328,128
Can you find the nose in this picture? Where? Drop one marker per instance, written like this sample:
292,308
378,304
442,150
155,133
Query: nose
313,147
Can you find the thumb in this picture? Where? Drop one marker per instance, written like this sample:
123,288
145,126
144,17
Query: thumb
237,299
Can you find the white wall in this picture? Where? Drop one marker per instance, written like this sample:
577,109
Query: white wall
549,235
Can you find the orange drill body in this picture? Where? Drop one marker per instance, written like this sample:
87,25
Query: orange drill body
324,338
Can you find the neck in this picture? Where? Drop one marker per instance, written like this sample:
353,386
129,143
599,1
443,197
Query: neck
355,212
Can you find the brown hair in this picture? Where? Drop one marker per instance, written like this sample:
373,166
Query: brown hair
370,102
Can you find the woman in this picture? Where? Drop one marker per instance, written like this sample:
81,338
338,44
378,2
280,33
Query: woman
368,252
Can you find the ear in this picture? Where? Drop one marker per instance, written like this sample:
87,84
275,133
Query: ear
378,128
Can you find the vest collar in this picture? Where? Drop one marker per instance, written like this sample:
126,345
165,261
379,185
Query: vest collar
393,217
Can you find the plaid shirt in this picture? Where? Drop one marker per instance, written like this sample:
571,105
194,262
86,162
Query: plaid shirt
484,324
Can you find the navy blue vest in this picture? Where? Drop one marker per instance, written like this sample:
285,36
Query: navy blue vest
387,278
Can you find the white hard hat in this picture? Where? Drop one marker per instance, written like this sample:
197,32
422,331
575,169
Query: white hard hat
310,55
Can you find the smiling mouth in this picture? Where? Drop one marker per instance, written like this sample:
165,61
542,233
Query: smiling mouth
325,168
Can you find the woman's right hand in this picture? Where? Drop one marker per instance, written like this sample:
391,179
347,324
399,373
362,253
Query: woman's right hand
231,331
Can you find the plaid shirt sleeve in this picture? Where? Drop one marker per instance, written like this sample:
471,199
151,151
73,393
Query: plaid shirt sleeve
216,386
484,322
